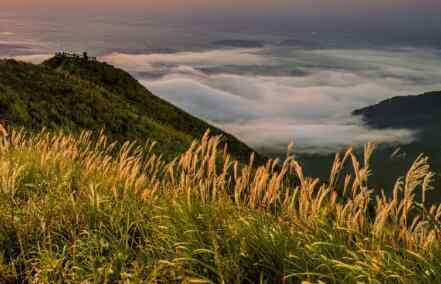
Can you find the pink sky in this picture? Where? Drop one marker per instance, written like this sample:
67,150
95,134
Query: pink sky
244,5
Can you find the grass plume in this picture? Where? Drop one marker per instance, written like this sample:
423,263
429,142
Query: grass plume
80,209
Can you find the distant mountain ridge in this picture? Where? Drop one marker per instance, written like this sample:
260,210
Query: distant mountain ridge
422,114
73,92
413,112
240,43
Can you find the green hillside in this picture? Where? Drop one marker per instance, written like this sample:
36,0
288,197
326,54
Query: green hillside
75,93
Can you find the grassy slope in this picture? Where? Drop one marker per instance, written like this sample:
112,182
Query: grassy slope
72,211
75,94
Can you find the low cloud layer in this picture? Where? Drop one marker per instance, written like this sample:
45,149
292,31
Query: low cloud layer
269,111
202,59
271,96
33,58
272,136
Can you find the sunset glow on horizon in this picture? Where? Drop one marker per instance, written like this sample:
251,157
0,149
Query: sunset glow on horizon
244,5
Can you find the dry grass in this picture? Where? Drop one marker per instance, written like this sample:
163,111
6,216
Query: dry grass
76,209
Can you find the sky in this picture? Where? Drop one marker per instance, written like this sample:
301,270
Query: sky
177,6
412,16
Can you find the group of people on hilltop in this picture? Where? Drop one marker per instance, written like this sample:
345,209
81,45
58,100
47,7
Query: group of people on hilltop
76,56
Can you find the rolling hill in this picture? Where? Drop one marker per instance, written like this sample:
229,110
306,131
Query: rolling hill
76,92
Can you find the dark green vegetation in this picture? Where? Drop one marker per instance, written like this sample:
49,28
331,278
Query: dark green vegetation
75,93
421,114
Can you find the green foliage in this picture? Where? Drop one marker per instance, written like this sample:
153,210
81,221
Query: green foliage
141,100
75,93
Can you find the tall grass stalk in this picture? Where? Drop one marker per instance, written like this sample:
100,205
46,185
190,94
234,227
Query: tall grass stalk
81,209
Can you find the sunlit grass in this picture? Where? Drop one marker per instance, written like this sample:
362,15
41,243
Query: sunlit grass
78,209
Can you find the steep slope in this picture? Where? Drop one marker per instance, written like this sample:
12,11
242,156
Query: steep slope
75,93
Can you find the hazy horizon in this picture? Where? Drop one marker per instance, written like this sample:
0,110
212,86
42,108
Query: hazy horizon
327,15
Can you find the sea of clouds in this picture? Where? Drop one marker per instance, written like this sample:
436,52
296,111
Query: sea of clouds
273,95
269,97
299,88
